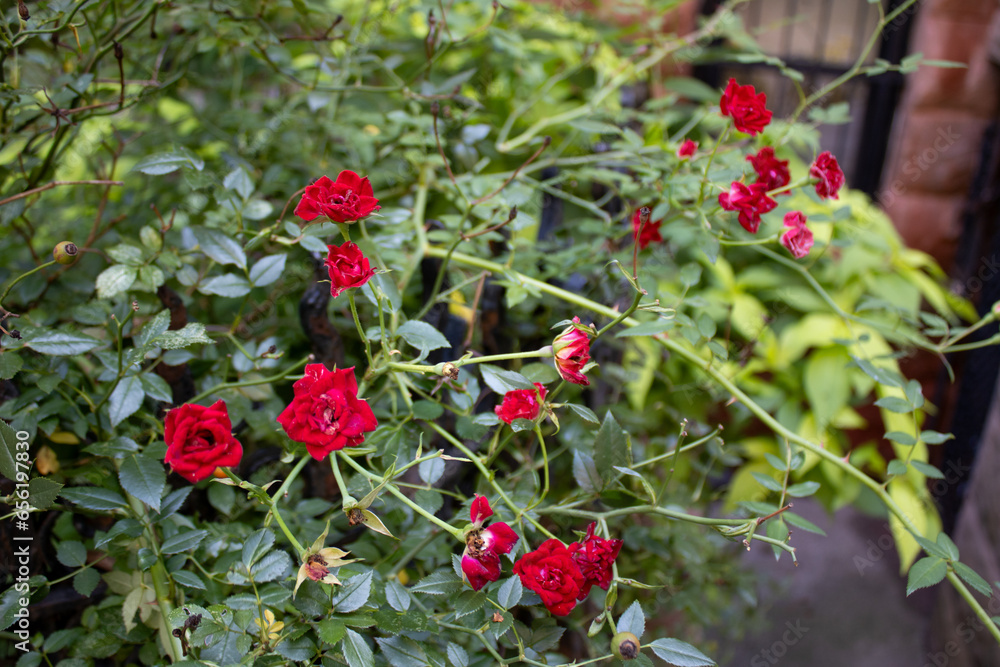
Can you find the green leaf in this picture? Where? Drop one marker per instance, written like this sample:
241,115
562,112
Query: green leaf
273,566
331,631
355,593
267,270
469,602
897,467
894,404
431,470
71,554
255,546
442,582
86,581
767,481
972,578
611,448
186,541
125,399
396,595
10,364
422,336
94,498
189,334
402,652
457,655
156,387
803,489
633,620
239,180
826,384
925,572
356,650
680,654
802,523
927,469
901,438
502,381
228,285
545,637
584,413
935,438
510,592
8,452
165,163
585,473
145,478
114,280
58,343
188,579
42,492
220,247
775,462
945,543
427,410
932,548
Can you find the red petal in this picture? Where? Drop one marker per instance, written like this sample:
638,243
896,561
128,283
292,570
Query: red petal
480,510
504,537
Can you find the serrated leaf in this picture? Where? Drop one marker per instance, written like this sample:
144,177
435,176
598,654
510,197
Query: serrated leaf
94,498
86,581
186,541
10,364
925,572
71,553
585,473
165,163
457,655
273,566
584,412
680,654
267,270
42,492
143,477
545,638
220,247
356,650
972,578
469,602
402,652
422,336
58,343
502,381
188,579
114,280
767,481
189,334
255,546
228,285
355,594
611,447
945,543
331,631
804,524
438,583
633,620
8,452
803,489
510,592
397,596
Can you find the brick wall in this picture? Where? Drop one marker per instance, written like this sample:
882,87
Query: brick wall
939,124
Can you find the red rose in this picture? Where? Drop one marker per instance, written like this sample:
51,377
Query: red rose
751,201
831,177
348,199
572,352
746,107
199,440
771,172
595,556
799,238
348,268
483,546
551,572
644,234
326,413
521,404
687,149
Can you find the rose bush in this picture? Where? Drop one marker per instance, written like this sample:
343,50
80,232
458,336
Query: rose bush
506,196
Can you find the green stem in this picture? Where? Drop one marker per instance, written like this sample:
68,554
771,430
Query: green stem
545,463
251,383
391,488
708,165
274,512
21,277
292,475
518,512
346,499
361,330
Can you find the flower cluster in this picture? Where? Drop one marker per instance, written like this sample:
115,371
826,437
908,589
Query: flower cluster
749,114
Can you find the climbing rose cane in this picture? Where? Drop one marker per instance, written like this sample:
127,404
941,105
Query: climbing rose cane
521,404
347,267
347,199
595,556
746,107
829,173
572,352
326,413
551,572
199,440
483,546
798,238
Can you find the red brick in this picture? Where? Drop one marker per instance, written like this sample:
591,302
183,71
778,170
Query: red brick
971,11
973,88
928,222
938,153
